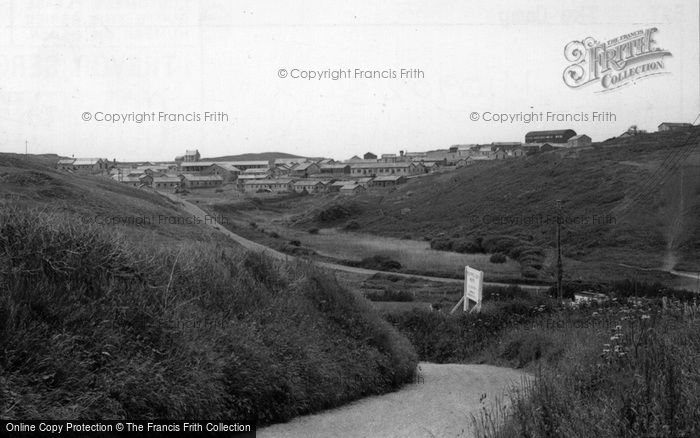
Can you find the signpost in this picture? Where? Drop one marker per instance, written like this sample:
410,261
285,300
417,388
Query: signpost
473,290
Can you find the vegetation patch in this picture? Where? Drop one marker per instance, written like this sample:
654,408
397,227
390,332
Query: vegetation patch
94,327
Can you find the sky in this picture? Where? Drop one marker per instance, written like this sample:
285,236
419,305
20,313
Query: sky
67,66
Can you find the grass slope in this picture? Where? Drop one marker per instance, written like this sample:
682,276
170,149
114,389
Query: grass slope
96,322
632,202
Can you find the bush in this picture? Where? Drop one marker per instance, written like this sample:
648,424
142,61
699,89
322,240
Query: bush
352,225
498,258
390,295
313,230
295,242
376,262
253,225
273,234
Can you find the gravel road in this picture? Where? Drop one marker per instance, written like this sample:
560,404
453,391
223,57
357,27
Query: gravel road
439,405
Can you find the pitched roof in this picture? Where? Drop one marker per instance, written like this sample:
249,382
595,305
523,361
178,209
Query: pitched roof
196,164
254,170
190,177
388,178
166,179
552,132
303,166
375,165
86,161
66,161
272,182
576,137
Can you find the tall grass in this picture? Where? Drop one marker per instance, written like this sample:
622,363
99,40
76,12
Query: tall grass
92,327
636,376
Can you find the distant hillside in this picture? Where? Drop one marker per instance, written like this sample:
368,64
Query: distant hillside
253,157
635,202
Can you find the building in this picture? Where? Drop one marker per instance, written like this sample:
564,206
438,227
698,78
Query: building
252,164
388,158
369,156
379,169
167,183
273,185
670,126
265,172
579,140
65,164
309,186
132,181
335,186
191,156
194,166
515,152
352,189
532,148
499,154
200,181
90,164
335,169
476,159
304,170
388,181
227,171
554,136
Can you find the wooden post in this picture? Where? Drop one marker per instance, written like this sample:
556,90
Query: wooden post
559,263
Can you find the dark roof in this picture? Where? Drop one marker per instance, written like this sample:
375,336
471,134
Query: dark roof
552,132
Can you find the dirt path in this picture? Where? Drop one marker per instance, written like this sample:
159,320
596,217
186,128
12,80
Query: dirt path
441,404
254,246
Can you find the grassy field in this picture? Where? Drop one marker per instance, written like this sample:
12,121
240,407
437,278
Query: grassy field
160,321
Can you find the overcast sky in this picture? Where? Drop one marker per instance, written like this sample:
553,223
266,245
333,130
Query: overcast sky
59,60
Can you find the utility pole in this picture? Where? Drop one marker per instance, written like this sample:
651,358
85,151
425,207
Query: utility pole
559,264
26,148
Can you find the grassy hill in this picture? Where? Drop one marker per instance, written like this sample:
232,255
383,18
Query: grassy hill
260,156
165,320
634,202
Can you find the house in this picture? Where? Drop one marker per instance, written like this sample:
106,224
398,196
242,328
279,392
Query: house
309,186
132,181
167,183
335,186
90,164
499,154
194,166
200,181
251,164
462,162
273,185
304,170
431,166
515,152
388,181
146,179
532,148
486,151
579,140
352,189
65,164
378,169
265,172
554,136
388,158
335,169
669,126
227,171
369,156
191,156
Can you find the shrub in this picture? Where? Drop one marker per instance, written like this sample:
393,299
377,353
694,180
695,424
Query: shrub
352,225
273,234
253,225
295,242
313,230
498,258
389,295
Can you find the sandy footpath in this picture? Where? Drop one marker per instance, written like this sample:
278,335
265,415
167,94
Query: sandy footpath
439,405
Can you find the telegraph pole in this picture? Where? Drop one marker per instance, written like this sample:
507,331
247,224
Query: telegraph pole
559,264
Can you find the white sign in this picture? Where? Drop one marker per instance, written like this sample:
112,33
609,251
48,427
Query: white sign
473,286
